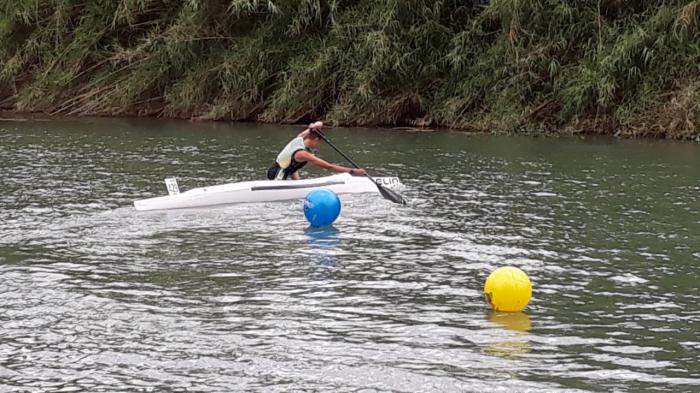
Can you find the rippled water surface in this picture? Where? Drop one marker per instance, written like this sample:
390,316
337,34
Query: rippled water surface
98,297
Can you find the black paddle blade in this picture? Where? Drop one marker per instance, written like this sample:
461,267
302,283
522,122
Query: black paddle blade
391,195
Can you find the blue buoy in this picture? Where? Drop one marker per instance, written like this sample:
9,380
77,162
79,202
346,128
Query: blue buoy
321,207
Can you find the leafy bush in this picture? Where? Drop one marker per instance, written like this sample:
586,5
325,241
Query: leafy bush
496,66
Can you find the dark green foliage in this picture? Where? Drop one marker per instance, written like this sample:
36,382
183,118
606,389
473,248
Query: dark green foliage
630,67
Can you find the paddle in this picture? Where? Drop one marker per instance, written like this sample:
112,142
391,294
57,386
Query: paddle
386,193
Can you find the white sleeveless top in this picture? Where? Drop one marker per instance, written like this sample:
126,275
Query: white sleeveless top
284,159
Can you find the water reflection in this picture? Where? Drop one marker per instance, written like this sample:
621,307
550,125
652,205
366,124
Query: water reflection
323,242
513,321
512,337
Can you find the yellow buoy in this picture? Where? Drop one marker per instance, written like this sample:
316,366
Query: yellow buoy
508,289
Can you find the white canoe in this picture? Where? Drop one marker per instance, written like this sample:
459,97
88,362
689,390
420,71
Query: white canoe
264,191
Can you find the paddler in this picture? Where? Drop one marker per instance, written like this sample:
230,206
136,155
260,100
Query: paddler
298,153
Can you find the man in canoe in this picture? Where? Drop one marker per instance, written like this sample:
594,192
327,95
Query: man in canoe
298,153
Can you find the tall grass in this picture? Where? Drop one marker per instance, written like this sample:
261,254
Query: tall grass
626,67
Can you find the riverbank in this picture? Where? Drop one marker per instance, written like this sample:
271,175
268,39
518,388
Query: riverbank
601,127
616,68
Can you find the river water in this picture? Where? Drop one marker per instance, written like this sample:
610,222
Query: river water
98,297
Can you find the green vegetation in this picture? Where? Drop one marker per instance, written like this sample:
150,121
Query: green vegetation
608,66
